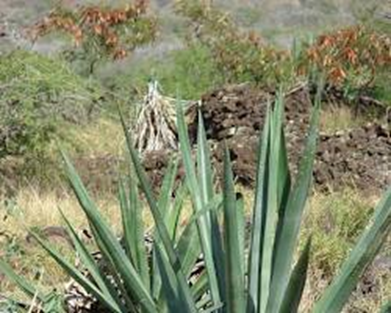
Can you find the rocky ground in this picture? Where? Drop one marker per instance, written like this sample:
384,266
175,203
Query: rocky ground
359,157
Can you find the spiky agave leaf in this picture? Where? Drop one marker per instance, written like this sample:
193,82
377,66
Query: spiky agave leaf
161,227
203,224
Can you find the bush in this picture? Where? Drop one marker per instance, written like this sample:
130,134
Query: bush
190,70
38,95
229,280
351,58
381,88
239,55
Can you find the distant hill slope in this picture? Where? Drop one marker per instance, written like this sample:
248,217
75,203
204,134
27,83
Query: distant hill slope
278,20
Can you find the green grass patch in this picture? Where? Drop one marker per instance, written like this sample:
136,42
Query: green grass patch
335,221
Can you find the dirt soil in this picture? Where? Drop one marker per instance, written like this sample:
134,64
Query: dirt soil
359,157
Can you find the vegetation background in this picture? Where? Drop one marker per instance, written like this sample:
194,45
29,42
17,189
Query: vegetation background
90,131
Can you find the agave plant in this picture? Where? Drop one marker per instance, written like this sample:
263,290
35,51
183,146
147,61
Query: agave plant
256,277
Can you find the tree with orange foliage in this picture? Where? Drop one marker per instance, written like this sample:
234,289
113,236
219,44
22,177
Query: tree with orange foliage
349,57
100,32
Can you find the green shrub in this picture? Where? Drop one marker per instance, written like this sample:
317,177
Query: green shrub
231,280
381,88
190,70
38,94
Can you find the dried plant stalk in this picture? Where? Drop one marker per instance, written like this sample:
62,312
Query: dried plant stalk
155,128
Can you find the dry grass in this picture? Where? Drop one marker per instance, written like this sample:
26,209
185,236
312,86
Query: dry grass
339,118
101,138
336,221
32,209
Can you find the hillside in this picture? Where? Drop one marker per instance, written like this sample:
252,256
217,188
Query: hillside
279,20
